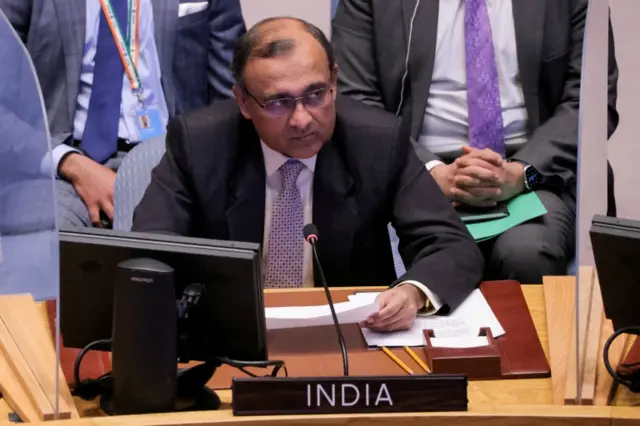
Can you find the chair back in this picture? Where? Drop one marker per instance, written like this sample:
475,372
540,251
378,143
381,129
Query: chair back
133,178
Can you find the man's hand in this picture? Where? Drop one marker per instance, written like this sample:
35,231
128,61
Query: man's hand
398,308
508,177
480,178
93,182
474,179
450,178
444,175
514,181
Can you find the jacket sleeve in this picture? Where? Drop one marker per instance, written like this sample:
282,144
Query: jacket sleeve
352,35
440,252
553,147
226,26
167,204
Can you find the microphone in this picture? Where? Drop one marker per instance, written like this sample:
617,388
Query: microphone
310,232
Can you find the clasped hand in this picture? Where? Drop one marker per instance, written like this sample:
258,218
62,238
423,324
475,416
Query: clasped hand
480,178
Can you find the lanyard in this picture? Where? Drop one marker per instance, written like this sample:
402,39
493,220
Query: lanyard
129,52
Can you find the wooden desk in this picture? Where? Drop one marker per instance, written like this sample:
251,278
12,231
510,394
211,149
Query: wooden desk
505,402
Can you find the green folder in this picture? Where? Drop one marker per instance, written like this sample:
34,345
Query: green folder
522,209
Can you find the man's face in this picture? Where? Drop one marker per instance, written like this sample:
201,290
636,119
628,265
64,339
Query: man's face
299,128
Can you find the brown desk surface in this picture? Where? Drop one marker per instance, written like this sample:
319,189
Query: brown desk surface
501,402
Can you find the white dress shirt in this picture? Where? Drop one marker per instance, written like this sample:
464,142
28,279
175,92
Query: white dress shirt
445,125
148,70
273,160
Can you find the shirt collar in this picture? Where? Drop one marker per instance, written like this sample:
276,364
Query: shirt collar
273,160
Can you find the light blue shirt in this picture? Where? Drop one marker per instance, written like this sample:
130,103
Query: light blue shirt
148,70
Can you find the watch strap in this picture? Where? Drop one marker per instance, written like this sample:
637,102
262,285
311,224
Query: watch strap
527,186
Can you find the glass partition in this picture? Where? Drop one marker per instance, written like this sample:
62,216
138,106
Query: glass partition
591,200
28,237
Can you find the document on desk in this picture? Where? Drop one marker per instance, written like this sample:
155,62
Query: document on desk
309,316
459,329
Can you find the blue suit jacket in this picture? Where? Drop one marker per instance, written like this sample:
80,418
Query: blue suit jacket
195,52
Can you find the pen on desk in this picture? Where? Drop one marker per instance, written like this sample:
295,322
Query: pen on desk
396,360
417,359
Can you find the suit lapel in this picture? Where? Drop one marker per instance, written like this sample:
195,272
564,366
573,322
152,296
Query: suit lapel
422,55
72,19
334,213
245,215
165,19
528,17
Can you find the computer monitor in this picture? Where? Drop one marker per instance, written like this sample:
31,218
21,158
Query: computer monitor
616,251
228,321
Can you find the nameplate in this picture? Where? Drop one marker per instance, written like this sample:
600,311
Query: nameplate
333,395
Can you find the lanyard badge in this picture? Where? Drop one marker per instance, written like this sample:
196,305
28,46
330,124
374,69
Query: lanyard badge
148,119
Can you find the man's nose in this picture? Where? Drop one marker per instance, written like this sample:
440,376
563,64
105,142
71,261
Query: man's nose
300,118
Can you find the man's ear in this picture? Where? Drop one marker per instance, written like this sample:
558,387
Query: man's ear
241,100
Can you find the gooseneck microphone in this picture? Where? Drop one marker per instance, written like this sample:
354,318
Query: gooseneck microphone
310,232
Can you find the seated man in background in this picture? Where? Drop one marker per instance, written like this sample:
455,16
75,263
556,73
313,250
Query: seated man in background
491,93
290,152
102,100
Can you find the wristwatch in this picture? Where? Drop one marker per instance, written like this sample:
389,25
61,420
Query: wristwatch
532,178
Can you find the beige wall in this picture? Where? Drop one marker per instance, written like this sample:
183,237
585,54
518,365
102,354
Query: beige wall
623,146
318,12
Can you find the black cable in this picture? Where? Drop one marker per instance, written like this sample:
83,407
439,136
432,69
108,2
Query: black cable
631,380
242,365
89,388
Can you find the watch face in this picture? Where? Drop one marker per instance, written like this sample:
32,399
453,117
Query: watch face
534,178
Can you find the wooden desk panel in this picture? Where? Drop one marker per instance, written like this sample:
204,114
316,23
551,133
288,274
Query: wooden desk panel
508,402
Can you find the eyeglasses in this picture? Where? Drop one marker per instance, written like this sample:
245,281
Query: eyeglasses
285,106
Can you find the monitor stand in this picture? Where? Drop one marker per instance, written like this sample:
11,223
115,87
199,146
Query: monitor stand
192,392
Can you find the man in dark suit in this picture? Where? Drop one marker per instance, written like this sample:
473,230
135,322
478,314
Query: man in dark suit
184,47
480,82
290,153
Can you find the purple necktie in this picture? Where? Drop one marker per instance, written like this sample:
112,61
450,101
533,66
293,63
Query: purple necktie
486,128
286,243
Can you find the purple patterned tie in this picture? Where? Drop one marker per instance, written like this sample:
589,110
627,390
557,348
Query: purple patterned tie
486,129
286,244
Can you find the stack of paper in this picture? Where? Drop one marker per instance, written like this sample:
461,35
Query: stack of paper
458,329
522,208
308,316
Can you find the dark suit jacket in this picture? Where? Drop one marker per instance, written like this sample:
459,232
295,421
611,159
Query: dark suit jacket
211,183
370,38
194,52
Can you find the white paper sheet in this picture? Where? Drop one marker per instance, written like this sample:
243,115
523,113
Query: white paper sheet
477,313
459,329
308,316
460,342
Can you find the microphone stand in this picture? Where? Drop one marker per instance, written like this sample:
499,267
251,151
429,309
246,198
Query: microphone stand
343,346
